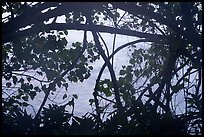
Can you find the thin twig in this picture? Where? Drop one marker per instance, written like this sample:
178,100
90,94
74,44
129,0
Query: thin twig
30,76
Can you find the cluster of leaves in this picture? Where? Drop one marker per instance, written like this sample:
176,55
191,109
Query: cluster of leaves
56,120
159,66
146,69
47,57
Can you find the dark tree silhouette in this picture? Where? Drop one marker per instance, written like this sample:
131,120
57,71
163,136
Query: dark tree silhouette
170,67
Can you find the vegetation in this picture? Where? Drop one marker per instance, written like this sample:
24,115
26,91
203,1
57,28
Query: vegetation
143,99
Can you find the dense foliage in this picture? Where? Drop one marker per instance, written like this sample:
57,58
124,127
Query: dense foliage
143,99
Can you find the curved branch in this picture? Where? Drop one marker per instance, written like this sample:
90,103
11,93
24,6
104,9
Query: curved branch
112,73
33,15
104,44
30,76
117,50
29,16
135,10
35,29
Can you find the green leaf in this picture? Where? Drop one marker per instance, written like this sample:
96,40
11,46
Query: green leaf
64,41
106,91
50,74
74,79
62,66
122,72
175,88
154,80
16,66
65,96
132,61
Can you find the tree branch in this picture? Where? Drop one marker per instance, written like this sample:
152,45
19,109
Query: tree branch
135,10
71,26
62,75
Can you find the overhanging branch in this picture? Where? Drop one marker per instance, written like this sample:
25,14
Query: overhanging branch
73,26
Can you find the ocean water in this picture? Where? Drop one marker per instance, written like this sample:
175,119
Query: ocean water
85,89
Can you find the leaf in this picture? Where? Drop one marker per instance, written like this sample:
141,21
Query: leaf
50,74
14,79
91,67
37,89
40,73
175,88
62,66
59,84
122,72
60,33
31,86
21,80
25,104
154,80
106,91
65,32
65,85
91,101
143,28
64,41
8,84
52,86
75,96
32,94
132,61
29,79
71,102
74,79
65,96
16,66
25,98
63,80
44,87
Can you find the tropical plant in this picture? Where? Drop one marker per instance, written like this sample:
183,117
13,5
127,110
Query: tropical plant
37,59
